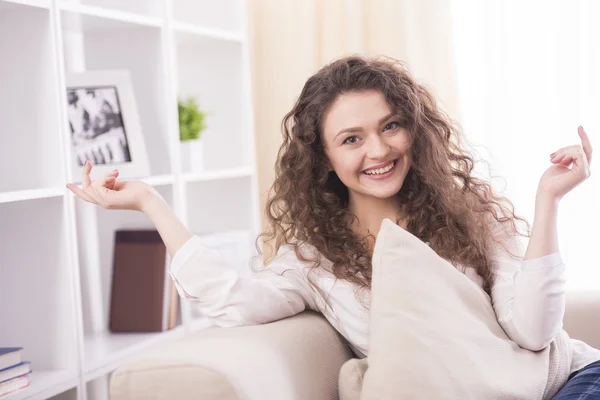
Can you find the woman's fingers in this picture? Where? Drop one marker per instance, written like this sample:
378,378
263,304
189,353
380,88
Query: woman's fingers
94,191
586,144
100,188
564,159
560,154
110,179
576,156
87,184
80,193
85,179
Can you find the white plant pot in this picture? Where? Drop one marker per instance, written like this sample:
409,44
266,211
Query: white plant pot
192,154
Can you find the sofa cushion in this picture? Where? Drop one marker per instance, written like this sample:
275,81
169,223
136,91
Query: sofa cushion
434,333
294,358
351,378
150,379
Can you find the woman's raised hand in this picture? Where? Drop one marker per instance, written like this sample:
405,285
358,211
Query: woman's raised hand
570,167
111,193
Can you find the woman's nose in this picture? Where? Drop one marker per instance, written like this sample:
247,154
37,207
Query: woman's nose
377,148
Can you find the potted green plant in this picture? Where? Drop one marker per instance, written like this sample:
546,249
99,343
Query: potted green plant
192,122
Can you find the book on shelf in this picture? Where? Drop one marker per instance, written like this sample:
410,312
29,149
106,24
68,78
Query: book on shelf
13,384
11,372
143,295
14,372
10,356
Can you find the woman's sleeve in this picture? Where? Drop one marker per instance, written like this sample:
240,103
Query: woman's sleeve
278,291
528,296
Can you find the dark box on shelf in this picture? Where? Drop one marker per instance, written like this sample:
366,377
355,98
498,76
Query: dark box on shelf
143,296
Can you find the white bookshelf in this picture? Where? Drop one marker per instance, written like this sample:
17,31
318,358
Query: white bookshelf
56,250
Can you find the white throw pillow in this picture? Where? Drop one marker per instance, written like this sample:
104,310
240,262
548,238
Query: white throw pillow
434,333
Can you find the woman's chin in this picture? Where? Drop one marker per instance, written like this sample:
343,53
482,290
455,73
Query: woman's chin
384,191
386,194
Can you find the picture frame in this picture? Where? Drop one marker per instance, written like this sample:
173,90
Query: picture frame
104,124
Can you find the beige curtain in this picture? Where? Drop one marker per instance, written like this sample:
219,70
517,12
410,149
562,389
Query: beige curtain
292,39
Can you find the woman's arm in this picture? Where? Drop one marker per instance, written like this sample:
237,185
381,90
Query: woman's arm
570,167
110,193
544,232
172,231
201,274
529,290
218,292
528,296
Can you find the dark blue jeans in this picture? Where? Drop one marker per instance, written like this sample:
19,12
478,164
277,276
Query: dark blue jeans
582,384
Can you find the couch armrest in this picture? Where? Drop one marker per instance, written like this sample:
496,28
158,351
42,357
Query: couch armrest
582,317
297,358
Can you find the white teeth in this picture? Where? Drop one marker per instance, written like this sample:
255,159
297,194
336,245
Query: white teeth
380,171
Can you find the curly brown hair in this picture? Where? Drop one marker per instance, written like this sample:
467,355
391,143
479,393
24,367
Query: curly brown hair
441,201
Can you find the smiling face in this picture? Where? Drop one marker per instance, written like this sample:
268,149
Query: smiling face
367,145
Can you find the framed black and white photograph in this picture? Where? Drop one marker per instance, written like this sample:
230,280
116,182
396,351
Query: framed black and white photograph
104,124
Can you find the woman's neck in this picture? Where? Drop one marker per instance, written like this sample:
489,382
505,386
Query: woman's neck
371,212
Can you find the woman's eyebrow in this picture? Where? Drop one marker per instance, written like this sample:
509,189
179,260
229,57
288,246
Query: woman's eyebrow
358,128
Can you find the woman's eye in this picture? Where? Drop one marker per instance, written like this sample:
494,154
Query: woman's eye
350,140
392,125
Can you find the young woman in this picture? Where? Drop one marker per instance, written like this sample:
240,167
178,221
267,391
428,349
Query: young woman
366,142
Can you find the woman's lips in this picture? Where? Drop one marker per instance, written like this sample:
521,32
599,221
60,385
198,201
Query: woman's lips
384,175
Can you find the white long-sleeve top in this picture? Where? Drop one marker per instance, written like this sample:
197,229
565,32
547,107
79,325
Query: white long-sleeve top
527,296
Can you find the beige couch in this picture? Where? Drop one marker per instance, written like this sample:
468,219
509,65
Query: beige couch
297,358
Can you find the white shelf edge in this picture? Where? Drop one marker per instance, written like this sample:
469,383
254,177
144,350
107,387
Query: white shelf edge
112,14
154,180
211,33
244,172
45,4
158,180
31,194
113,361
45,384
